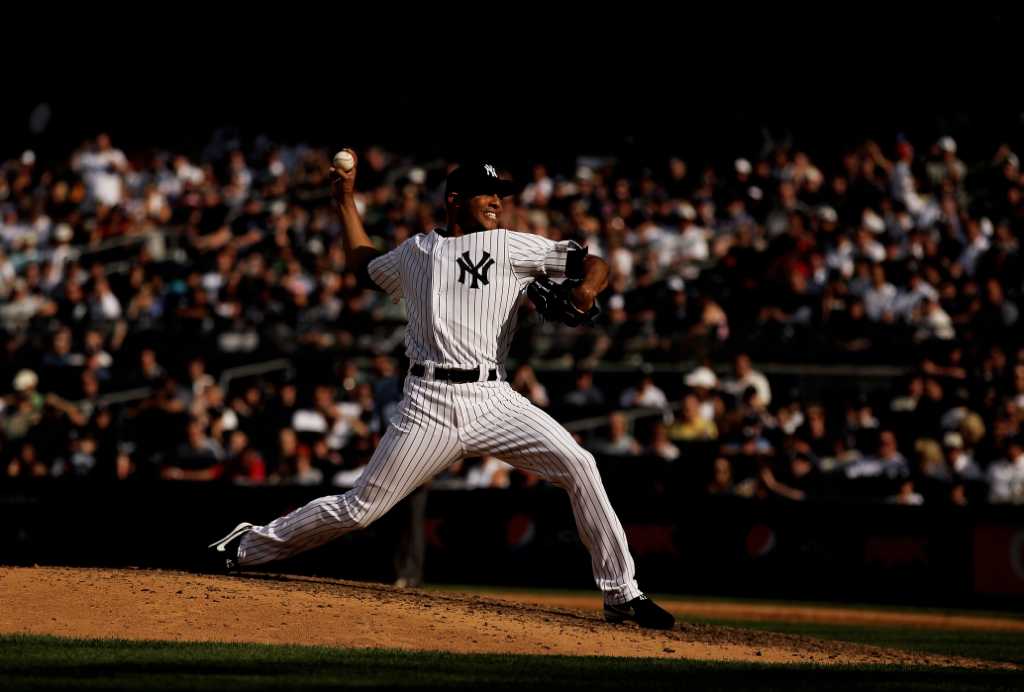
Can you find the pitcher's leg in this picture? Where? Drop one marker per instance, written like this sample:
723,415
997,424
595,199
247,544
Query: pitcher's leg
402,462
525,436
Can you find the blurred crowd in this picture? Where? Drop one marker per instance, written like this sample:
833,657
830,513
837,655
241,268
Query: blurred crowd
133,285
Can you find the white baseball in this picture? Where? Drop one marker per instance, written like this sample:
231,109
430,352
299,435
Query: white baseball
344,161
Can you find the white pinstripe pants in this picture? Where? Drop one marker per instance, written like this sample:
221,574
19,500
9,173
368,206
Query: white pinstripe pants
437,424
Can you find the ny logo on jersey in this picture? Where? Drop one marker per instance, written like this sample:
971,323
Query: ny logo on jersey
490,170
478,271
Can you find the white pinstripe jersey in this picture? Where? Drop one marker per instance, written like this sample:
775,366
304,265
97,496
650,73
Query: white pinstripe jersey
462,294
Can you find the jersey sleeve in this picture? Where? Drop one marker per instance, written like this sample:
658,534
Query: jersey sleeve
532,256
386,272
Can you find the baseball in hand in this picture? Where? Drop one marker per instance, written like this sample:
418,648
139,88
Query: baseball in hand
344,161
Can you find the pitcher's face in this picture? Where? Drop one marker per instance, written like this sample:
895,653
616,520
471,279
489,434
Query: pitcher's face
480,213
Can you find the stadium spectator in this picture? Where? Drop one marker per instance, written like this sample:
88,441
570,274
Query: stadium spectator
645,395
1006,476
619,441
693,425
526,383
584,398
745,376
661,446
887,460
146,276
199,458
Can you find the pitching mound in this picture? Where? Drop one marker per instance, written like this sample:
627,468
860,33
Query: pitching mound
273,609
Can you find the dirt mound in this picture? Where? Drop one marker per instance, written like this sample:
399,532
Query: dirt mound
776,612
277,609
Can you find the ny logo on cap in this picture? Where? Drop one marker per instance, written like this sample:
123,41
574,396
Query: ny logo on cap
478,271
490,170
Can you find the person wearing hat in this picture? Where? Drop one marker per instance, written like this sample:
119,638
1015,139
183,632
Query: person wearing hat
703,381
959,458
26,409
944,165
23,410
463,285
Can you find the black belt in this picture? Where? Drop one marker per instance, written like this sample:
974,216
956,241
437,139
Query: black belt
453,374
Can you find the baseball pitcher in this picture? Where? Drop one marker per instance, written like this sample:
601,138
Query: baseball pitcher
463,286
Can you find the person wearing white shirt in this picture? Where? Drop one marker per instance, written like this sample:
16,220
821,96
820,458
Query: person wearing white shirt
903,185
690,244
491,472
105,305
977,245
868,247
102,168
702,380
907,302
646,395
880,298
463,285
840,258
933,322
661,446
620,257
745,376
1006,477
540,190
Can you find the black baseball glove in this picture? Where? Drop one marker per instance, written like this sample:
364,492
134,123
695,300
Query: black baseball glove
554,302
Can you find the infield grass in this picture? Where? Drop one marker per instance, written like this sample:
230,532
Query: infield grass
991,646
36,663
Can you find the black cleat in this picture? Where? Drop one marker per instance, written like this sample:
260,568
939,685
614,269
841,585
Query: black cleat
641,610
224,553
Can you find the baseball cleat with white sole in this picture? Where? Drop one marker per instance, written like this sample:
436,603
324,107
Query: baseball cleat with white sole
225,551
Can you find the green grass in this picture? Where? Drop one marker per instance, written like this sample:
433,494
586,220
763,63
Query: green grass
32,663
992,646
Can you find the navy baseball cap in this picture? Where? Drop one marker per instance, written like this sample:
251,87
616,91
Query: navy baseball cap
478,178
